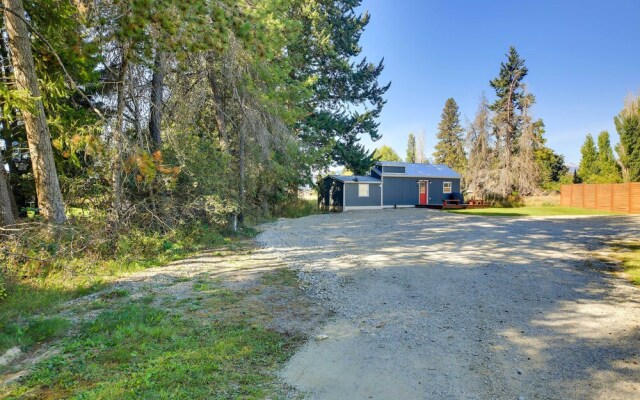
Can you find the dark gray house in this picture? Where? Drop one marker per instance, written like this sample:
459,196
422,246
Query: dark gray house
390,184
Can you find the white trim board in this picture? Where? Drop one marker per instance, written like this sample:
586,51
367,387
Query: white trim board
390,175
362,208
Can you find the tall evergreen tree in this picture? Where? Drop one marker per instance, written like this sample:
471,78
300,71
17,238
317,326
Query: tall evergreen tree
411,148
551,166
628,127
478,177
608,171
341,88
38,136
450,149
588,168
507,117
526,171
6,211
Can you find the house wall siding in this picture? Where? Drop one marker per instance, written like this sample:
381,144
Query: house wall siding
404,190
353,200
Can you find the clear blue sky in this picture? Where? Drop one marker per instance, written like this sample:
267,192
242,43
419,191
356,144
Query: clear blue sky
583,59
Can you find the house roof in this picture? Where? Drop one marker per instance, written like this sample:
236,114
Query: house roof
421,170
355,178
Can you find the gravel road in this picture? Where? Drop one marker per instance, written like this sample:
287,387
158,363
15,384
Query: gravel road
431,305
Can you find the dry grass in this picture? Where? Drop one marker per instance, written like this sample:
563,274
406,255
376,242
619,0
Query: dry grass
627,253
545,200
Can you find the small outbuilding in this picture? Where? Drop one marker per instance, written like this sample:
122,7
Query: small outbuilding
390,184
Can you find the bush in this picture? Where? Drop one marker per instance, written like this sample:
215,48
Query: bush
512,201
300,208
90,247
3,288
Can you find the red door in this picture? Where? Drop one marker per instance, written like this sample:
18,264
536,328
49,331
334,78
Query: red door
422,185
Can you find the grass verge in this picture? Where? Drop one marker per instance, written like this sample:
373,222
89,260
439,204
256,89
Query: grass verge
135,350
39,272
543,211
200,340
627,253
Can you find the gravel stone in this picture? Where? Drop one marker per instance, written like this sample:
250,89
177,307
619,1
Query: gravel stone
432,305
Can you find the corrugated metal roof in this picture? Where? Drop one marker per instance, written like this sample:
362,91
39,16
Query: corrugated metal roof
425,170
356,178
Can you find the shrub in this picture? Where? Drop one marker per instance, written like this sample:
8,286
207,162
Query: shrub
3,288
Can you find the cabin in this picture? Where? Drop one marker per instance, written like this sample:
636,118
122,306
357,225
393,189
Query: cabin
390,185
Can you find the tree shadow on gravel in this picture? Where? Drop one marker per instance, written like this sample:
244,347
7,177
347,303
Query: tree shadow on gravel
550,321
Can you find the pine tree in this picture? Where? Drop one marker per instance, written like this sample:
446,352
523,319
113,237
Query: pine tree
324,55
551,165
450,149
628,127
41,152
353,156
588,169
526,171
507,118
478,177
411,148
6,211
608,171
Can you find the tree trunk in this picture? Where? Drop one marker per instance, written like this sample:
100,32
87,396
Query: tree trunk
44,169
219,104
118,136
7,216
242,172
157,83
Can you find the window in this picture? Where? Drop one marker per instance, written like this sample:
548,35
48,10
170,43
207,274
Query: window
446,187
363,190
393,169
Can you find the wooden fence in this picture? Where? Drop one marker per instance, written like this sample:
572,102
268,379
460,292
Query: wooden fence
617,197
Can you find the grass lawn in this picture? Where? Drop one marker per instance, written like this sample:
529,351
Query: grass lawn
628,254
212,344
542,211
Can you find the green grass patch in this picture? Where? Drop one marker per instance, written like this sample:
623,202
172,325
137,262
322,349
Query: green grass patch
41,270
543,211
137,351
283,277
628,254
37,330
300,208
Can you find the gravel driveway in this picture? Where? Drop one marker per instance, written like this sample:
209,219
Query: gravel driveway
431,305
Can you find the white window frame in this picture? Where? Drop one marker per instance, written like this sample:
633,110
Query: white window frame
362,186
445,188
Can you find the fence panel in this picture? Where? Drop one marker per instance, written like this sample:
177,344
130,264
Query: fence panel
565,195
577,200
604,197
618,197
589,196
634,198
621,198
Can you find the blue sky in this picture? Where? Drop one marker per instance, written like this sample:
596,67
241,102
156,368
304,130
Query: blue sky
582,56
